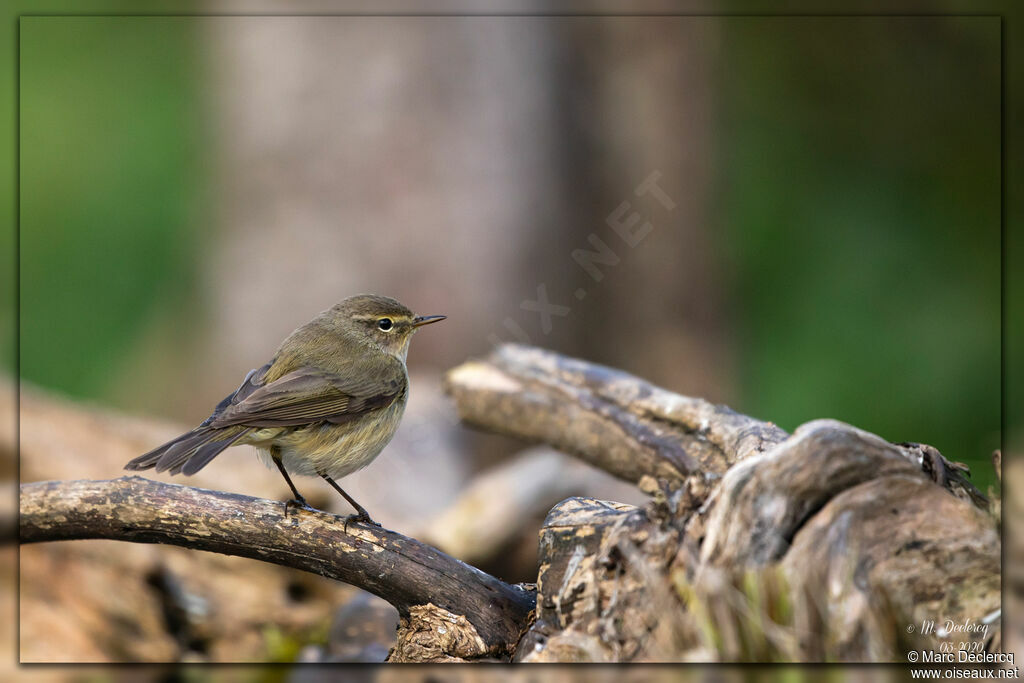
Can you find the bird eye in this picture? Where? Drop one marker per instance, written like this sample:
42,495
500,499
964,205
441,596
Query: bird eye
385,324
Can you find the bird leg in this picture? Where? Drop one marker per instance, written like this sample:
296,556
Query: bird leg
298,501
361,514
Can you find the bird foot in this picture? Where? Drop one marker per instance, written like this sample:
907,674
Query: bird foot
361,516
298,503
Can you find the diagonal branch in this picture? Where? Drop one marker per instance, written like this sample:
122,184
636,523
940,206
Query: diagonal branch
403,571
613,420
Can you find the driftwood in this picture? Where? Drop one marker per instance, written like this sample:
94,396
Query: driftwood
895,542
762,502
833,532
614,421
891,551
755,544
597,586
486,615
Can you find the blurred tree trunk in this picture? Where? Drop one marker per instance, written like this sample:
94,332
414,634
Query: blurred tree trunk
636,98
457,163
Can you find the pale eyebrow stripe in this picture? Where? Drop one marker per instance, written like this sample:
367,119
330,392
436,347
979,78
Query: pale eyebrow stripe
400,318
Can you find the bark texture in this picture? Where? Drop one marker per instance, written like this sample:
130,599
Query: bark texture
753,544
401,570
609,418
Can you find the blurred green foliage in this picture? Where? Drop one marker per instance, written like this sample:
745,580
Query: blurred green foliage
111,187
862,201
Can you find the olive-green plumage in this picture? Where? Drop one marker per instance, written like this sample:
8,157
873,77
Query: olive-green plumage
326,405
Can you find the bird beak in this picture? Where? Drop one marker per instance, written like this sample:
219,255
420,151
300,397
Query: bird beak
421,320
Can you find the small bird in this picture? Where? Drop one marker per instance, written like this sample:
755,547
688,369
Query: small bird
326,405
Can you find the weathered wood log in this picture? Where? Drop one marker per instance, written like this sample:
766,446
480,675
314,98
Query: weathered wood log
835,533
406,573
869,545
753,541
601,587
609,418
900,543
628,426
762,502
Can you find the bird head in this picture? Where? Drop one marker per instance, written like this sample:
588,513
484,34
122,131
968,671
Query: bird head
380,321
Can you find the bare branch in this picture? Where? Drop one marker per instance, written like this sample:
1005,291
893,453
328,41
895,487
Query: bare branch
607,417
401,570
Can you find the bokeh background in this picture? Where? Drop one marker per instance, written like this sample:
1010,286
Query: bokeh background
192,189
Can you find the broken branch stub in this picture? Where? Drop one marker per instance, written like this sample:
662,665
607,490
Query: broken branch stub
601,585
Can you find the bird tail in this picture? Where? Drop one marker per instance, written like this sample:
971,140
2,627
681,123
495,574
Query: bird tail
188,453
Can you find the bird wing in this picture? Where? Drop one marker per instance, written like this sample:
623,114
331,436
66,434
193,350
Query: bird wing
307,395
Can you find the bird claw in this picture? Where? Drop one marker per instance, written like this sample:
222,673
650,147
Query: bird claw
299,503
359,517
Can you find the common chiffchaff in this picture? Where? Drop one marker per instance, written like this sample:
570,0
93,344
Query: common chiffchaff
325,405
